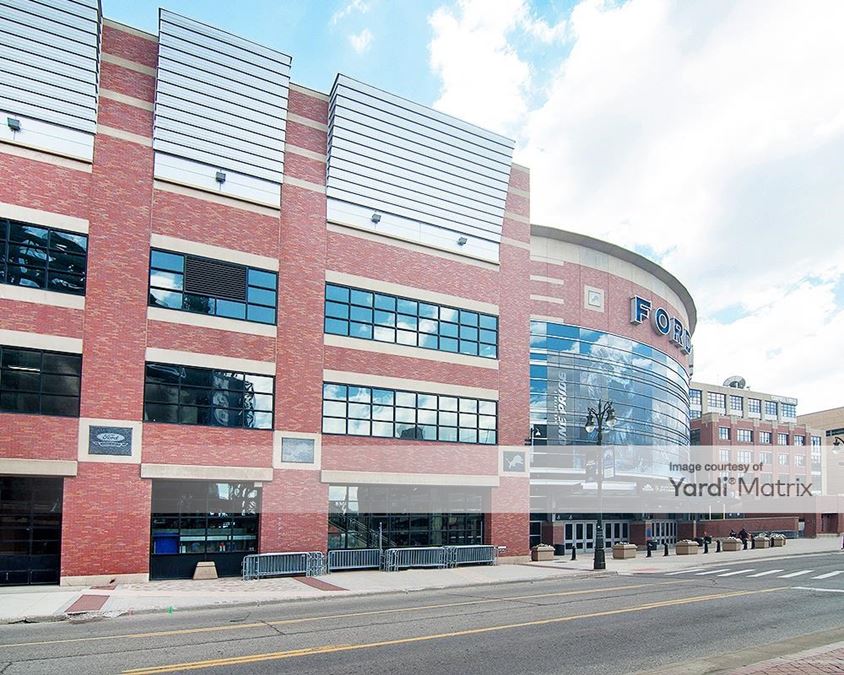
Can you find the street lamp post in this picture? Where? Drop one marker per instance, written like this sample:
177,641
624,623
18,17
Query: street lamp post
596,418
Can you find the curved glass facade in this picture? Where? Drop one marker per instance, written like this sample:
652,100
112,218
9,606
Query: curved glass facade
571,368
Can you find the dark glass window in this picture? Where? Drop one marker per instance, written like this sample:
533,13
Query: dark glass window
39,382
204,286
42,257
389,318
219,398
771,408
370,516
198,517
388,413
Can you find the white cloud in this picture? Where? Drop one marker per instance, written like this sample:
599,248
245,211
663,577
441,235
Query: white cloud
709,132
360,6
484,80
360,42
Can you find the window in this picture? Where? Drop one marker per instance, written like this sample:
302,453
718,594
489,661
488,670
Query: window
744,456
754,406
219,398
388,318
42,257
694,396
816,441
387,413
799,460
799,440
205,286
694,437
736,404
716,401
816,458
744,435
199,517
297,450
788,409
782,439
694,414
783,459
771,408
764,438
723,455
766,457
39,382
724,433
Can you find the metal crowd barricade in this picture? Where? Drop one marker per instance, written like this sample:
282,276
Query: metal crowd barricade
402,558
260,565
354,559
473,554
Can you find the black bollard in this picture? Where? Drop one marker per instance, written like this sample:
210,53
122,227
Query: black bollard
573,552
842,543
705,546
718,546
752,543
648,546
745,544
665,552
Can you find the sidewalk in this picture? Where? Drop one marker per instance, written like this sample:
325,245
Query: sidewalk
54,603
828,659
658,563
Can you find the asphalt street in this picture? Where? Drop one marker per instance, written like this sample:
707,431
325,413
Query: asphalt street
710,618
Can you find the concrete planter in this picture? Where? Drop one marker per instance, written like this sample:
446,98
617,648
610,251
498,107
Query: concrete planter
731,545
542,552
762,542
778,541
623,551
686,548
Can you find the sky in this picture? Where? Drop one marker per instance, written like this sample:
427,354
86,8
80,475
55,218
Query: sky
707,135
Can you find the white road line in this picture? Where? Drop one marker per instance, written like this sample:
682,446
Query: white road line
693,569
763,574
700,574
822,590
795,574
828,575
732,574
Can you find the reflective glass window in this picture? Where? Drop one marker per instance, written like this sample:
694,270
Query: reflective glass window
203,286
39,382
387,318
42,257
188,395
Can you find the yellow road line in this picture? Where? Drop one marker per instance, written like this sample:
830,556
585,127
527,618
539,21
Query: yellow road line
280,622
331,649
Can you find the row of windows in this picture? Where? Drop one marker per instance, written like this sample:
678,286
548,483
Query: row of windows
388,413
765,457
42,257
718,401
389,318
746,436
193,284
39,382
188,395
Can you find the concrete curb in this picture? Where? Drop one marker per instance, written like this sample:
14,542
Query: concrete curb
84,617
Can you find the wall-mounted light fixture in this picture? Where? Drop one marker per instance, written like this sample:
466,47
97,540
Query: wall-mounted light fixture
14,123
221,177
462,241
376,217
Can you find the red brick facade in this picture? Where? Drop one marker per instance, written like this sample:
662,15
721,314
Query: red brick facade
106,510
